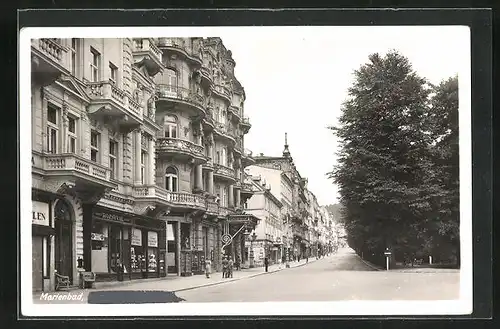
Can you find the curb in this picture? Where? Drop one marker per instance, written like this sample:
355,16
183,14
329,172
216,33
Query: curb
236,279
376,268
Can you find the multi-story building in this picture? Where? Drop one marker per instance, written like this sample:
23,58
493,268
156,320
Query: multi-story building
283,176
137,155
264,205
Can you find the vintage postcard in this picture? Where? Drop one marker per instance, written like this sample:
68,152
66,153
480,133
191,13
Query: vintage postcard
176,171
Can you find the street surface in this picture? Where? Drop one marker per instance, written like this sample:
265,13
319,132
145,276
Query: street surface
343,276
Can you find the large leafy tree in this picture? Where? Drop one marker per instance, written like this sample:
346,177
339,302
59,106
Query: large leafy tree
385,161
443,123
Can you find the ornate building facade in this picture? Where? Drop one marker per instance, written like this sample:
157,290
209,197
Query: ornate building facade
292,189
137,157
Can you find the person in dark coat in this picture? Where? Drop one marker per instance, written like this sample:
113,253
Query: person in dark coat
224,267
266,263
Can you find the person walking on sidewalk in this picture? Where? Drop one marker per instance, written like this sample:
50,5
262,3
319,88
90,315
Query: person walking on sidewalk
208,268
230,267
266,263
224,267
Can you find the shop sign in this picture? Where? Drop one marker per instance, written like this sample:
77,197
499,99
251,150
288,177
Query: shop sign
97,236
136,238
110,217
40,213
152,239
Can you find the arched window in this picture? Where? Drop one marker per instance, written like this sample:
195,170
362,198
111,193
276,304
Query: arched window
170,126
171,179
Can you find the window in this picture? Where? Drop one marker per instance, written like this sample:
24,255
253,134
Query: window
218,157
52,128
94,146
71,135
113,153
224,157
224,194
143,161
74,55
95,65
113,72
170,86
171,179
170,126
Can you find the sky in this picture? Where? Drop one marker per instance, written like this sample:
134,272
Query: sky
296,81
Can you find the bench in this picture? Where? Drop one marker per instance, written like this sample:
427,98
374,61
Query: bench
62,281
87,279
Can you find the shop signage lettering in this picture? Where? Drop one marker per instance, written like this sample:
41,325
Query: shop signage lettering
40,213
136,239
110,217
152,239
97,236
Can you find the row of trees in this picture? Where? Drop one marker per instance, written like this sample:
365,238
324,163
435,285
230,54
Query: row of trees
397,170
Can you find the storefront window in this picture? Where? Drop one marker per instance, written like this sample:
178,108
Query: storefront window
137,257
115,242
152,251
99,238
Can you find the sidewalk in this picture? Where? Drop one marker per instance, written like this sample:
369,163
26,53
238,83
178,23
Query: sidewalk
179,283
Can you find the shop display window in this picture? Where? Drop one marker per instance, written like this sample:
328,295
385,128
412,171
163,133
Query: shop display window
152,259
137,259
115,243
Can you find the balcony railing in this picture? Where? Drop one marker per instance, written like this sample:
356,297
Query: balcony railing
212,207
180,93
223,170
50,47
106,90
246,187
222,90
147,45
175,198
60,162
183,44
177,144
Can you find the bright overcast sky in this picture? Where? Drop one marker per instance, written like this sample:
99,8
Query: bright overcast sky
295,82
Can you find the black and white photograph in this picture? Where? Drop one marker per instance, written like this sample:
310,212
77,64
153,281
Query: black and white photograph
267,170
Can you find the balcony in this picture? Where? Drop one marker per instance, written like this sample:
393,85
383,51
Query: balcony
187,47
112,106
246,189
224,172
159,197
236,113
245,124
47,60
247,158
185,97
223,131
212,208
238,146
84,177
207,75
147,55
180,148
222,91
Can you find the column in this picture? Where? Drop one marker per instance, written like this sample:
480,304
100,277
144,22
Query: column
152,159
238,198
210,186
127,158
231,196
137,176
45,101
178,246
199,238
199,178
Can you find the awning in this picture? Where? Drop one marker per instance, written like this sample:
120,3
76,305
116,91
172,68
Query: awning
247,219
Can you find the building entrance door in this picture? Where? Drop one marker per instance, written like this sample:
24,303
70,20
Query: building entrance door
63,240
37,264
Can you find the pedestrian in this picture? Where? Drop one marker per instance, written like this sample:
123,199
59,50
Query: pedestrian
208,268
266,263
224,267
230,267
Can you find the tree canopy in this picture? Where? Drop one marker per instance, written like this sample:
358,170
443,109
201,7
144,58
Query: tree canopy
397,170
